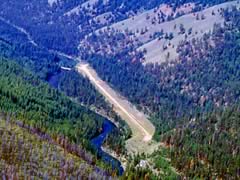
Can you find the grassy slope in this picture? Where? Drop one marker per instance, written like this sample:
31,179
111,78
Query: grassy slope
154,47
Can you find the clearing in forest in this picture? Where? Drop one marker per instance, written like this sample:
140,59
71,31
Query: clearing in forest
142,129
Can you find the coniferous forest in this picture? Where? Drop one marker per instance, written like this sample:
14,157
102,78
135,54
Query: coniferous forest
51,114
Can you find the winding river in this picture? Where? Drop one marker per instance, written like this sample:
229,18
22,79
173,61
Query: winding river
98,141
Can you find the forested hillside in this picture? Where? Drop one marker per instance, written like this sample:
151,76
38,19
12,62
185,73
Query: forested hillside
43,107
205,76
208,146
47,65
50,116
30,153
48,109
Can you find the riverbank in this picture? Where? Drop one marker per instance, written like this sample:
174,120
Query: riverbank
120,158
97,143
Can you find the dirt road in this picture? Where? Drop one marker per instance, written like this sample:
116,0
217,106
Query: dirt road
141,127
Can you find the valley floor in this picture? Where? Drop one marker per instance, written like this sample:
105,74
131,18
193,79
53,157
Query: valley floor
142,129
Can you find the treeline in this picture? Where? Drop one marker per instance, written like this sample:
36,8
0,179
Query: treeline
206,76
207,146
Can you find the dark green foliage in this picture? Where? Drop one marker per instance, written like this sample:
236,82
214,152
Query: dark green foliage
48,110
135,172
26,95
208,146
130,79
15,45
80,88
47,65
200,81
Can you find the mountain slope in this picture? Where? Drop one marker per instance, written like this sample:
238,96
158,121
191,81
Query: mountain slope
44,37
207,147
44,107
45,116
48,66
25,154
170,91
62,32
159,39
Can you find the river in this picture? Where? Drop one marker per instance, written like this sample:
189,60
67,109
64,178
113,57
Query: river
98,141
